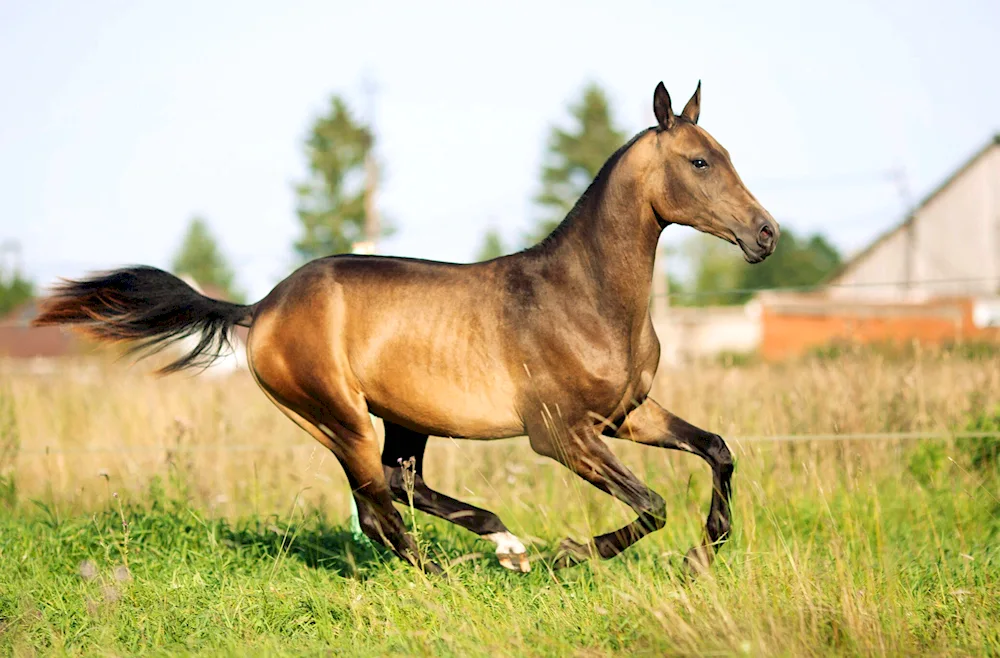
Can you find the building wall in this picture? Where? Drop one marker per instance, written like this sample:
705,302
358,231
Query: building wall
887,262
688,334
22,342
956,235
792,327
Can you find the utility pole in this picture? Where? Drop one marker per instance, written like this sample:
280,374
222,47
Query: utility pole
372,225
12,247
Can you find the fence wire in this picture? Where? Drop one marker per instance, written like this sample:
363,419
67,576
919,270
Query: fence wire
826,286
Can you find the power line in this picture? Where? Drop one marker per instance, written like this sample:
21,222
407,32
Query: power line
372,226
836,180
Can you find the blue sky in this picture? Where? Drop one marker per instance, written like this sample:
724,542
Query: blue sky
120,120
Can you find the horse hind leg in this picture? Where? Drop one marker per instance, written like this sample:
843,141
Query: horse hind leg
379,520
403,445
348,433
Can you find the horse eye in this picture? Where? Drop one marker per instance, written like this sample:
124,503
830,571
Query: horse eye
699,163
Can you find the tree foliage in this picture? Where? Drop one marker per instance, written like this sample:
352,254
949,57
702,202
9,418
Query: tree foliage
14,291
717,267
200,258
493,246
796,262
574,156
331,202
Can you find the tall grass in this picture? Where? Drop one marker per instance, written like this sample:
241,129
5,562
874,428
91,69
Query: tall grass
155,523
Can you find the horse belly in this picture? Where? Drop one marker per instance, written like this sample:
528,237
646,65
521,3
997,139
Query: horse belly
442,409
442,392
430,358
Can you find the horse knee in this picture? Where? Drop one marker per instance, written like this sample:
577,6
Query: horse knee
394,478
718,527
722,457
654,512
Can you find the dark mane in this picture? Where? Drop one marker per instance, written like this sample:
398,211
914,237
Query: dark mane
593,191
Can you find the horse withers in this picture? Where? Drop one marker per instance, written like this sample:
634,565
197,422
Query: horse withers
554,342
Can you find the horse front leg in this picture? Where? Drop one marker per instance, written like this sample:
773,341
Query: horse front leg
650,424
583,452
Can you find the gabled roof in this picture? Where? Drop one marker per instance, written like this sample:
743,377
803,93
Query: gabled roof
937,191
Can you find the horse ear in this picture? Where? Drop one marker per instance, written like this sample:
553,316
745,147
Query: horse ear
693,107
661,108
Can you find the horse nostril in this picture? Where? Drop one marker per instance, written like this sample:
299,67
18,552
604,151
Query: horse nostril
766,236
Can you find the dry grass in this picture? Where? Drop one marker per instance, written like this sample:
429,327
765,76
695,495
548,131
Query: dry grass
237,450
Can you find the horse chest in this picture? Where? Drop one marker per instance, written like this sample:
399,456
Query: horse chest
588,362
603,385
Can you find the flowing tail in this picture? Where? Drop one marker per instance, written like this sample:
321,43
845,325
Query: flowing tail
149,307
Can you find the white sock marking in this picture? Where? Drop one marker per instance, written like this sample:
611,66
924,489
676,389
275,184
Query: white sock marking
510,551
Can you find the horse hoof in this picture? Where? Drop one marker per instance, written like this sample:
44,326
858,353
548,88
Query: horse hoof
432,568
697,561
571,553
514,561
510,552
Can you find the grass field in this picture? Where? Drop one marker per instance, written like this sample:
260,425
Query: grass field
186,516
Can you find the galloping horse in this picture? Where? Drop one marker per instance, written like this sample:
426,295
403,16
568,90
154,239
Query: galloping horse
554,342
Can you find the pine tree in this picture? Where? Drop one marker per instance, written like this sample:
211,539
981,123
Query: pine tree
200,258
716,271
493,246
574,157
795,263
331,203
14,291
717,267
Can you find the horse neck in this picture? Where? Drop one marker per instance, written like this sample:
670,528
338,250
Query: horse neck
610,244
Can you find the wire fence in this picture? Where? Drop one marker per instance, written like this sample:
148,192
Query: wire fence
833,286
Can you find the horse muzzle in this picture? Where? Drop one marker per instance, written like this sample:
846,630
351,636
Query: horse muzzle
760,241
